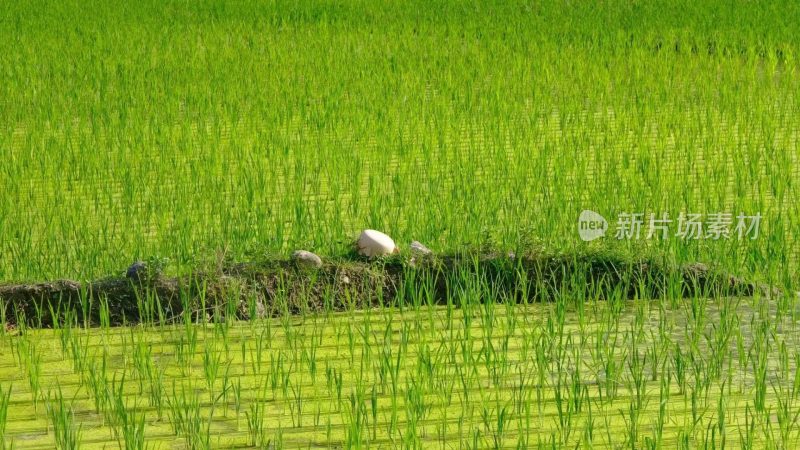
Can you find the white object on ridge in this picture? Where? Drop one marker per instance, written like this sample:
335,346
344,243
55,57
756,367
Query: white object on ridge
374,243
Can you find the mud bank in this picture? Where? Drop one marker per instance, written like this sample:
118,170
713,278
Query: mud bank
279,286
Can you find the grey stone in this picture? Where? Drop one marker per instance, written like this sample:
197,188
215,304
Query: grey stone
137,271
305,258
418,248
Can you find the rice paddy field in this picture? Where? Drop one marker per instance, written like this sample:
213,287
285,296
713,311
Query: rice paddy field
198,134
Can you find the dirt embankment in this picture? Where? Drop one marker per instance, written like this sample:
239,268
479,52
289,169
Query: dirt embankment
274,287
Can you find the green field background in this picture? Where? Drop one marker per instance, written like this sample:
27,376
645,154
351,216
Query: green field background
193,129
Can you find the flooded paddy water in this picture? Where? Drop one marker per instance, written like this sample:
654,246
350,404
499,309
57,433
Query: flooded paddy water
633,374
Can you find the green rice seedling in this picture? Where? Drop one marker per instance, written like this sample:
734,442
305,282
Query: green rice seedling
683,440
759,367
156,390
296,406
65,336
79,350
212,364
55,315
231,306
3,316
664,397
638,380
679,366
133,431
86,300
67,433
147,305
128,426
228,388
20,318
243,353
795,389
631,419
721,413
236,388
747,432
98,384
280,299
254,307
261,341
309,352
256,430
786,414
185,418
142,361
104,313
32,361
5,398
39,313
186,346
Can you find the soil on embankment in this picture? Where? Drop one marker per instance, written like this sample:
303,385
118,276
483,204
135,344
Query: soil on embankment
279,286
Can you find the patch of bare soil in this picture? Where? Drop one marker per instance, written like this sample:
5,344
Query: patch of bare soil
274,287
